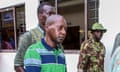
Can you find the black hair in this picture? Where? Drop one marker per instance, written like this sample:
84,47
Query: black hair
40,7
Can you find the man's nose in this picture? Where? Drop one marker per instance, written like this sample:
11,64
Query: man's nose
63,31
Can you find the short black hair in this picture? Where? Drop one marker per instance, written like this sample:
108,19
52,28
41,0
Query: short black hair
40,7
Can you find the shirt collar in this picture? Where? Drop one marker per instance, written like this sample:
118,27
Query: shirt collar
47,46
95,42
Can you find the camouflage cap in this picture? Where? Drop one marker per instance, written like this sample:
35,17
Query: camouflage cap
98,26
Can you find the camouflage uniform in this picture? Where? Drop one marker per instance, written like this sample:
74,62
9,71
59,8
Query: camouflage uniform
92,56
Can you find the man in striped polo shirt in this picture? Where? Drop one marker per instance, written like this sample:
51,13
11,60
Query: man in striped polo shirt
46,55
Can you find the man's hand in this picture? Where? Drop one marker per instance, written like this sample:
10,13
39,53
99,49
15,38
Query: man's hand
19,69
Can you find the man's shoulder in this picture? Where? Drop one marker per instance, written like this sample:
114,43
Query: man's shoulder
28,33
86,42
32,52
35,29
25,35
36,45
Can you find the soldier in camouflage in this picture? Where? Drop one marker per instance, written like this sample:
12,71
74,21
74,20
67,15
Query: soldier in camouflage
92,51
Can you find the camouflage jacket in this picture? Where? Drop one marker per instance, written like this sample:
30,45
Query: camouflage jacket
91,56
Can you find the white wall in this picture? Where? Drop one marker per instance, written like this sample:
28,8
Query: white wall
7,3
110,17
72,61
30,10
7,62
31,13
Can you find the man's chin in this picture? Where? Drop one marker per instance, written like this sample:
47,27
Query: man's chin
60,41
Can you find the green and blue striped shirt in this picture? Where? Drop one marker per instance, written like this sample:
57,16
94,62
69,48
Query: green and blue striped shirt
40,57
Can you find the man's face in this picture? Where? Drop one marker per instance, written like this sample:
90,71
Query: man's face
47,11
57,31
98,35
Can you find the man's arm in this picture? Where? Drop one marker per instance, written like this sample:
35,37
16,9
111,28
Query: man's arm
83,58
32,60
24,42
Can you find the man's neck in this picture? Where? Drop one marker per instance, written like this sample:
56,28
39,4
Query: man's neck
50,43
41,26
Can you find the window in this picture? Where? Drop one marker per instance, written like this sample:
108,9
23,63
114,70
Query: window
7,29
73,11
12,22
93,10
